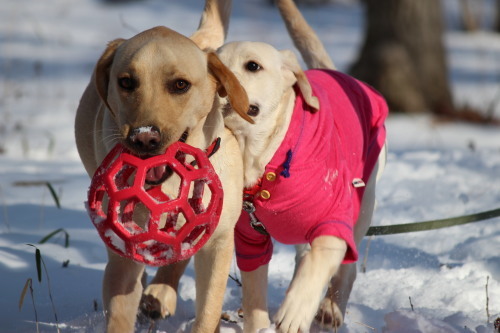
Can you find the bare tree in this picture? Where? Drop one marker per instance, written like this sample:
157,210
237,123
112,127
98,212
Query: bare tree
403,55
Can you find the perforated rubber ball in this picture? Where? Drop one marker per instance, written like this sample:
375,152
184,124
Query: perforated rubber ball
138,220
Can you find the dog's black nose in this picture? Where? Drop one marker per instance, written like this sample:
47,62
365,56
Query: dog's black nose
145,139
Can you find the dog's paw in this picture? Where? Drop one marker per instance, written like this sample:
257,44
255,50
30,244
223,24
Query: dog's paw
329,315
158,301
296,313
151,308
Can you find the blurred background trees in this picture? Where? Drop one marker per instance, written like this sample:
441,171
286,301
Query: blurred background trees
403,54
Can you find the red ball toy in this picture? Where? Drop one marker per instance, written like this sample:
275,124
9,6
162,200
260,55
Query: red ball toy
120,193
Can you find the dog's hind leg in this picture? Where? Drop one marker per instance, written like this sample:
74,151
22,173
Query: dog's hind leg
304,38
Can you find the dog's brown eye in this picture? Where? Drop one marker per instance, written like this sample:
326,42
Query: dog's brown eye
253,111
126,83
252,66
180,86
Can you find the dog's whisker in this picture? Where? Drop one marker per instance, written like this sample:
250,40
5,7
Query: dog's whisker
101,131
111,139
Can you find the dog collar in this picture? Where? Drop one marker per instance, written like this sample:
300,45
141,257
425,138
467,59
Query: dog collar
213,148
249,193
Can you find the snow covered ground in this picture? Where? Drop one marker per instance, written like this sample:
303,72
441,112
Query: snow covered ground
438,281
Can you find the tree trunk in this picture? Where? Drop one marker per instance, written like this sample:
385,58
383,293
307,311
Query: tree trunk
497,19
403,55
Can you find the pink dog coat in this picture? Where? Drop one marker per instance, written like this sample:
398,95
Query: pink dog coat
308,186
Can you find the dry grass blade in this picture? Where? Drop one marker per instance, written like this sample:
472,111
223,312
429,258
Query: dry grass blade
29,284
55,232
487,301
23,293
372,328
39,262
54,194
236,280
41,183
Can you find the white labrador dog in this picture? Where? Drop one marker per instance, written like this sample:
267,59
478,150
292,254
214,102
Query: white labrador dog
147,92
311,161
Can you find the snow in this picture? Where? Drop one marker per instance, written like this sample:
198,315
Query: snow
115,240
435,281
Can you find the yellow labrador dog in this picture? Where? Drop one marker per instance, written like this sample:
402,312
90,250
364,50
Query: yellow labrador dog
147,92
311,161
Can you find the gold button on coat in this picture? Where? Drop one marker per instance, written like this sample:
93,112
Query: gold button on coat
265,194
271,176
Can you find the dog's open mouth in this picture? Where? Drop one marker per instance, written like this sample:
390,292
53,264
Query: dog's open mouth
157,175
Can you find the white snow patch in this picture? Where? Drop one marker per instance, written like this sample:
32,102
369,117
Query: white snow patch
434,170
115,240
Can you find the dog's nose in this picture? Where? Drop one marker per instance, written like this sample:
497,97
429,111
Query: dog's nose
145,139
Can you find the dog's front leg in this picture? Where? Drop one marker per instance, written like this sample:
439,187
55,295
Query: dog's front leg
307,287
122,289
160,296
212,264
255,313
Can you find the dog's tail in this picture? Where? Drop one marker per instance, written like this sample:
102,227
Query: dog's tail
214,23
305,39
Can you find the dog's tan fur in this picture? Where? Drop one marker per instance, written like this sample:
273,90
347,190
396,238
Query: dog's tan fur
156,59
303,36
270,88
214,24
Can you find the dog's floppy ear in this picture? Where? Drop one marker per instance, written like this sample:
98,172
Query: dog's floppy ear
228,85
102,70
291,63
